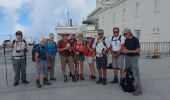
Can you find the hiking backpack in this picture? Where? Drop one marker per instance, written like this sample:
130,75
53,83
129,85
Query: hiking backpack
33,51
127,83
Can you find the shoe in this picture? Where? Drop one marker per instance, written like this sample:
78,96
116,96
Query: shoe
73,78
25,82
65,78
45,82
115,80
94,77
104,82
53,79
81,77
99,81
38,85
91,77
137,93
16,84
70,75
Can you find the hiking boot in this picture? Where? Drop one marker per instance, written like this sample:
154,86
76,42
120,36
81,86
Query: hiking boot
65,78
77,77
38,85
91,77
137,93
16,84
99,81
70,75
81,77
45,82
73,78
94,77
53,79
115,80
104,82
25,82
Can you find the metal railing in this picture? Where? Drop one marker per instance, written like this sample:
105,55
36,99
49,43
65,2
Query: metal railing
155,49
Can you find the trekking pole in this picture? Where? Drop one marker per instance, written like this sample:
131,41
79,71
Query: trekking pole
6,70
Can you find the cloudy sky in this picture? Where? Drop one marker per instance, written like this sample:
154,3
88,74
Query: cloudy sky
39,17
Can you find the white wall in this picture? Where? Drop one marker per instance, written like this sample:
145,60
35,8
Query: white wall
147,20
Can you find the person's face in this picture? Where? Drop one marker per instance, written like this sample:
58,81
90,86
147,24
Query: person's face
116,32
64,36
100,34
51,37
73,36
80,37
127,35
43,42
18,35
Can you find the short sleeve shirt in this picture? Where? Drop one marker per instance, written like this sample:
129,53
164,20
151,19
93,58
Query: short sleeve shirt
42,52
51,48
63,44
18,46
132,44
100,45
116,42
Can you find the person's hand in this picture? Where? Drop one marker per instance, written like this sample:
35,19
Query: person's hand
125,51
114,55
77,53
39,66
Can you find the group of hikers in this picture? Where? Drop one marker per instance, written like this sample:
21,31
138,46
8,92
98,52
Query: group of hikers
125,51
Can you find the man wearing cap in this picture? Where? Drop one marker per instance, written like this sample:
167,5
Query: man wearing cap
66,57
132,51
18,59
51,51
101,45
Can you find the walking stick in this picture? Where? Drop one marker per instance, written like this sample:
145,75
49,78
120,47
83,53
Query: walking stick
6,70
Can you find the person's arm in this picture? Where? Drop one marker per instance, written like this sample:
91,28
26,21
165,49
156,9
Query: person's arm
59,48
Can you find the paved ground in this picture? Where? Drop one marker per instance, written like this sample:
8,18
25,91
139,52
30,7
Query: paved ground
155,77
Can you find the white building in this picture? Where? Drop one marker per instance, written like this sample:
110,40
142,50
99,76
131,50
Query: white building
148,19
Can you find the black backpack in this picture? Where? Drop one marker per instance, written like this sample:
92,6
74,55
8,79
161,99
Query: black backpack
33,51
127,83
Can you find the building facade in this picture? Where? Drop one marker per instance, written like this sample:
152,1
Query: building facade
148,19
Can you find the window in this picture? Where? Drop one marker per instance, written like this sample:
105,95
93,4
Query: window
157,6
114,18
103,21
123,15
137,10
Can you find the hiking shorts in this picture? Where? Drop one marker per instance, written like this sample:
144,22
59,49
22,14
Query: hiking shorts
101,62
118,62
44,69
90,60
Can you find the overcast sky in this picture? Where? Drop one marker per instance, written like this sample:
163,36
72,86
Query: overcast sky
37,17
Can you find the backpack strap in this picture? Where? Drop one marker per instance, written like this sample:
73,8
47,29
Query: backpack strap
117,39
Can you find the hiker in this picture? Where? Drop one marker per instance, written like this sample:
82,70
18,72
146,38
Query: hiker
66,57
19,49
51,46
101,45
41,61
90,56
72,41
79,56
117,42
132,50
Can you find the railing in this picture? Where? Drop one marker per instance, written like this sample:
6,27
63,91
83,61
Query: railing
155,49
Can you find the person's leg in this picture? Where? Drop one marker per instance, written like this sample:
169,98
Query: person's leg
104,71
16,65
52,62
136,74
63,67
82,59
71,67
98,64
39,72
114,64
45,72
23,71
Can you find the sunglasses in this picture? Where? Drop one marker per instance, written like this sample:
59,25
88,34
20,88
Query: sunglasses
125,34
18,34
100,33
115,32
